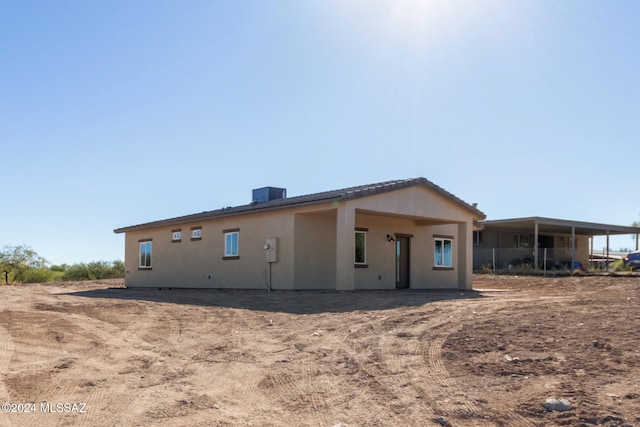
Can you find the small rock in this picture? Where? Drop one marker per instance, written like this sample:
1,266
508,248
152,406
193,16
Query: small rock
315,334
600,345
508,358
558,405
283,360
442,421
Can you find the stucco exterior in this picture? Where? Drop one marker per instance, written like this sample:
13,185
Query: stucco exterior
315,243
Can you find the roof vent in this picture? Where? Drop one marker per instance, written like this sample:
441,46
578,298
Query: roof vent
267,194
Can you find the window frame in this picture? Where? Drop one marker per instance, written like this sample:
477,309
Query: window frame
478,238
176,235
521,240
441,241
148,257
363,262
229,245
196,233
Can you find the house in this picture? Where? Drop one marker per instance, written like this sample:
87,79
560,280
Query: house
541,242
398,234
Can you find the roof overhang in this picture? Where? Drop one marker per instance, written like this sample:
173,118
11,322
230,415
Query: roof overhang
334,196
558,226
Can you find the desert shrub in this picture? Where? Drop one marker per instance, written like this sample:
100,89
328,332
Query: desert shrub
486,269
77,272
619,265
41,275
95,270
61,268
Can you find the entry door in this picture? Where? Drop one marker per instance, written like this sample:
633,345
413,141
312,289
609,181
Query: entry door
402,262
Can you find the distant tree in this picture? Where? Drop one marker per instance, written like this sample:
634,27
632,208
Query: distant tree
61,268
117,269
95,270
40,275
77,272
16,261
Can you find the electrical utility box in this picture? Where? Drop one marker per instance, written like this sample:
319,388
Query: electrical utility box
267,194
271,249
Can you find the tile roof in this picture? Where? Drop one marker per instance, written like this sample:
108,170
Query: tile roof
308,199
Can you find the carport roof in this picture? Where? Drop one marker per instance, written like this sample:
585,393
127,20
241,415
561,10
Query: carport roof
552,225
311,199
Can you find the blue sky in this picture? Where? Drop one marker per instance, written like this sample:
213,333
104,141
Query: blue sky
114,113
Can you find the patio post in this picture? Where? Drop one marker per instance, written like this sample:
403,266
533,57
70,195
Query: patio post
535,246
573,247
607,259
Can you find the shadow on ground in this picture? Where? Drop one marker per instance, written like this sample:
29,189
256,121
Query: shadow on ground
296,302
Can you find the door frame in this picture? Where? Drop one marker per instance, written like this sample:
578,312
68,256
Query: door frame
407,238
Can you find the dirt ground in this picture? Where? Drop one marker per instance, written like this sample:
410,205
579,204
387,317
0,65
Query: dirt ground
85,354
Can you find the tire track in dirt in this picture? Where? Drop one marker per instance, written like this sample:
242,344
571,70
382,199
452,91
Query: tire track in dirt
327,343
47,381
301,395
455,400
313,388
122,407
6,351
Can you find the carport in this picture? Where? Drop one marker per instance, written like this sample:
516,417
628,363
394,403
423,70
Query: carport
541,225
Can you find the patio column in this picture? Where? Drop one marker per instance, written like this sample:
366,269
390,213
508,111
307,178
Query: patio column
573,247
535,246
465,255
345,248
637,234
607,261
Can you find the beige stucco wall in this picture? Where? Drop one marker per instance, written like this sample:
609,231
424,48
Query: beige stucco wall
200,264
412,211
380,272
315,250
315,247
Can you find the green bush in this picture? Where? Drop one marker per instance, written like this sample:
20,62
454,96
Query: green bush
95,270
619,265
41,275
76,272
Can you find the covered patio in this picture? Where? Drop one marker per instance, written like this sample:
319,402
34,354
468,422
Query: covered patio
537,234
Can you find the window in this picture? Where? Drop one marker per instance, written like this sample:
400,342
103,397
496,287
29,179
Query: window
520,241
196,233
477,237
443,253
145,254
231,244
176,235
361,248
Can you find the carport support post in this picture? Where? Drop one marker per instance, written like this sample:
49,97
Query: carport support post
637,234
607,259
465,255
573,248
345,249
535,247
